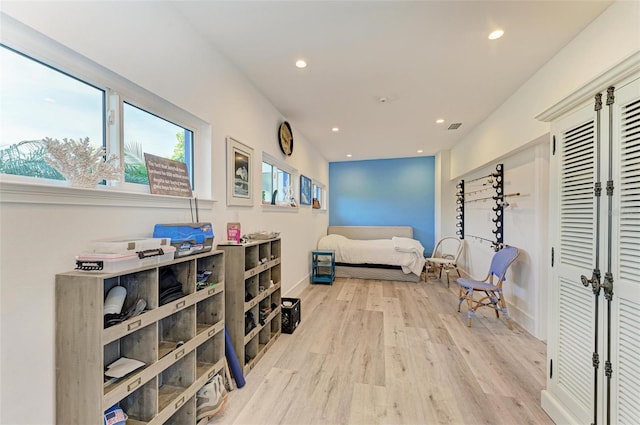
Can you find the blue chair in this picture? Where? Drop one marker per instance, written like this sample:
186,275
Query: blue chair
493,295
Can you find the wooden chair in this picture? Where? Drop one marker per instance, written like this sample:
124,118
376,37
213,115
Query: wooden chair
493,295
444,257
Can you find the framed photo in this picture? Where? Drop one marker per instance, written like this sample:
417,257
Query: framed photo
239,173
305,190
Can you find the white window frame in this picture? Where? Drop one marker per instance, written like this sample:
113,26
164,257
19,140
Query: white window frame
325,196
281,165
118,89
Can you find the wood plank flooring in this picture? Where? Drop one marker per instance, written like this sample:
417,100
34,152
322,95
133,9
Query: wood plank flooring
378,352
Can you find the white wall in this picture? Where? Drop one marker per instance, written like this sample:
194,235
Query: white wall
153,48
524,226
511,131
610,38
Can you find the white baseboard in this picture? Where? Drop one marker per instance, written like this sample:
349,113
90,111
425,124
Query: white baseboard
299,287
556,411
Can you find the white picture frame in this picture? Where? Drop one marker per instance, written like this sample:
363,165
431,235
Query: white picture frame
239,173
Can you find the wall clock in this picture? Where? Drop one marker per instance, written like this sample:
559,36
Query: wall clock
285,138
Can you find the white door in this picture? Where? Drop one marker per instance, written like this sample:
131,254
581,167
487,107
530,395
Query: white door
594,349
573,234
625,304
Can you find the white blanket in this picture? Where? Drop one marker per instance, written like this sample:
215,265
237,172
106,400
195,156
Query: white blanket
404,252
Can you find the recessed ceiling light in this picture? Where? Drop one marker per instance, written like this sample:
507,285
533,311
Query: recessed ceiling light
439,121
419,150
335,129
301,63
496,34
349,155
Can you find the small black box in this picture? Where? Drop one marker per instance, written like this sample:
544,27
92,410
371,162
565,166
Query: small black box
290,314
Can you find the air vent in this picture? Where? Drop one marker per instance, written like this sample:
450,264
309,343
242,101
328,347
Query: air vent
454,126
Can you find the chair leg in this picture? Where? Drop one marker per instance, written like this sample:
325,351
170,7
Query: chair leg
471,311
505,312
460,297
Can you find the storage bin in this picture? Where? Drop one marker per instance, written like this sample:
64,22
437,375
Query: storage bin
187,238
290,314
114,263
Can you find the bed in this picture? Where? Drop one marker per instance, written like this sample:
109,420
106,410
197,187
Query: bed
375,252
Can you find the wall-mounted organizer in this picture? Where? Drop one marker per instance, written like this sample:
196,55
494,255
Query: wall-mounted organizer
460,209
484,189
181,342
498,209
253,298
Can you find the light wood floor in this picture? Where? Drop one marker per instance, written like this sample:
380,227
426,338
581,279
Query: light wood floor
378,352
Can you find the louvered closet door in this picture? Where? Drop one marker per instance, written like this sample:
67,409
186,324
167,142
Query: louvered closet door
574,173
625,350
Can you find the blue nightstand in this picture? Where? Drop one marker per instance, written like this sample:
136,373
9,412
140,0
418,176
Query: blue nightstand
323,267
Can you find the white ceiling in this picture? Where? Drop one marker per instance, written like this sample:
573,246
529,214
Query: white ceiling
429,59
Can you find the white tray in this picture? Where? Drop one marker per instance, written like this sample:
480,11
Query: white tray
115,263
127,245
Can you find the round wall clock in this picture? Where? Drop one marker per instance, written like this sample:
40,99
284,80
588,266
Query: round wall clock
285,138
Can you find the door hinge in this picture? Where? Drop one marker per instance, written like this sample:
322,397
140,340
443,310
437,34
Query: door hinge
550,368
610,96
598,104
609,187
597,190
552,256
553,145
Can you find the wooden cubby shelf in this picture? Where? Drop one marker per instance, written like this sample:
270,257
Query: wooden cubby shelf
254,282
181,343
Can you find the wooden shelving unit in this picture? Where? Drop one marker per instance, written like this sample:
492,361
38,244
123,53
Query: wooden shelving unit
180,342
254,280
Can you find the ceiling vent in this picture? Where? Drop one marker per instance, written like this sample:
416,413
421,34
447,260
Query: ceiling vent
454,126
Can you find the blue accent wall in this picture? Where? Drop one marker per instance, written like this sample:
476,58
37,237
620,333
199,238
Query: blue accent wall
385,192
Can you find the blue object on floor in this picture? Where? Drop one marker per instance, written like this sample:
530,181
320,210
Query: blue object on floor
230,353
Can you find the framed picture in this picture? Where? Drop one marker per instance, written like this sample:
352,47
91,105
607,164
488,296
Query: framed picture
305,190
239,173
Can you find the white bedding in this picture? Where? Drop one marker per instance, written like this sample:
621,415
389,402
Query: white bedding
397,251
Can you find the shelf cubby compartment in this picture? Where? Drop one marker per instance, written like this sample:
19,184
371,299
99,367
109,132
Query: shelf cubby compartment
142,404
175,330
209,312
264,279
139,345
251,258
264,308
174,380
264,337
186,414
138,285
251,314
276,273
251,350
275,249
209,353
276,322
185,273
276,297
213,264
264,252
251,287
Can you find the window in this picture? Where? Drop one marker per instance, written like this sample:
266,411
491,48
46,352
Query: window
278,183
80,99
319,195
145,132
38,101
